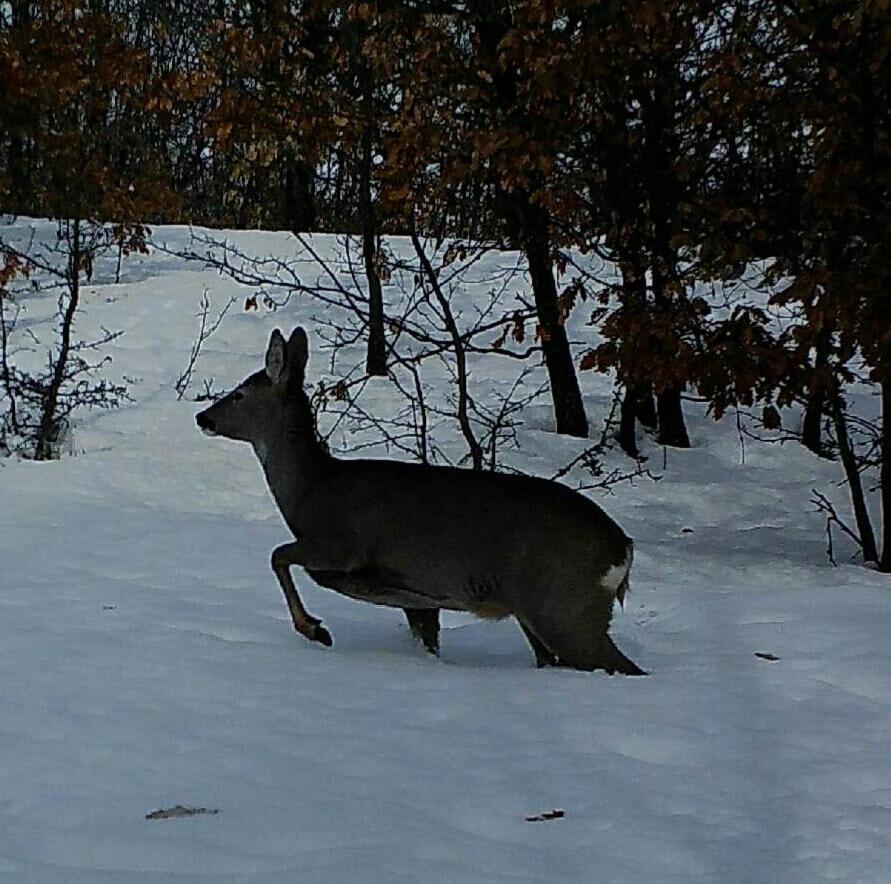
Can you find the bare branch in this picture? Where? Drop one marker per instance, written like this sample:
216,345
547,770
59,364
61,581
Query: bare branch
476,451
206,328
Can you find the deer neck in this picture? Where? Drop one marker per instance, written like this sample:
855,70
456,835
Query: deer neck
294,463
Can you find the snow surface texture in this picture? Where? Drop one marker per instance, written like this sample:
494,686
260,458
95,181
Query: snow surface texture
147,663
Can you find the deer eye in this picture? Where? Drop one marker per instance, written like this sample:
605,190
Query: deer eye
237,395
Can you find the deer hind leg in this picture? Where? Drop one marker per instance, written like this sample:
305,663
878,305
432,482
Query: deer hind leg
424,625
579,638
543,655
283,557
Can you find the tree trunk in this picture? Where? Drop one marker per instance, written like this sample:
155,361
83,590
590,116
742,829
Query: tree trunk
637,405
47,431
812,428
11,395
672,429
528,226
298,202
646,407
855,486
20,198
569,410
376,357
669,410
662,191
628,423
637,402
885,478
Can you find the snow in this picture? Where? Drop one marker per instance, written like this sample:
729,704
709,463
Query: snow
147,661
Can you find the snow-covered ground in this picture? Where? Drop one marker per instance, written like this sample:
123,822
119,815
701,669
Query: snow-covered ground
147,661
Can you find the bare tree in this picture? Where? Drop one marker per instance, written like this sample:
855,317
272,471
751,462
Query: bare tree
39,403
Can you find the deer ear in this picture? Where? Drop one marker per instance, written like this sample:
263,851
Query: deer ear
298,352
276,358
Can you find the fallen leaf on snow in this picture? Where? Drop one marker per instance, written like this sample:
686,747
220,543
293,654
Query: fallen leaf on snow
179,810
547,815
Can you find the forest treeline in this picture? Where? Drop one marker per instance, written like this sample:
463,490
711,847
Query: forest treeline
685,141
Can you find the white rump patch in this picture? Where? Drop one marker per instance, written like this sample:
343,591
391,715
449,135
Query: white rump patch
615,574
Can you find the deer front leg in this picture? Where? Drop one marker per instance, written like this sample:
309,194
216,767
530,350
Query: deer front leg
424,624
283,557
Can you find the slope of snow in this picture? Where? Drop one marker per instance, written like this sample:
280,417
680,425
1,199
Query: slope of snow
147,661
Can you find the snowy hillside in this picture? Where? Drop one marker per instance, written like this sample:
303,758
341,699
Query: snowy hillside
147,659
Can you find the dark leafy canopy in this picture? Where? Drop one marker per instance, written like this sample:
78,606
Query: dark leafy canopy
77,97
821,143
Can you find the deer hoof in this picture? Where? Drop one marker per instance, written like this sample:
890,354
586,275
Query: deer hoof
322,636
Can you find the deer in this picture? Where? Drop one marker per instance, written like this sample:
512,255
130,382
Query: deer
426,537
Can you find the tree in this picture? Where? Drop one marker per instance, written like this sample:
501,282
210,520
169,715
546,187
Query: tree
479,114
655,110
829,76
71,77
842,279
364,71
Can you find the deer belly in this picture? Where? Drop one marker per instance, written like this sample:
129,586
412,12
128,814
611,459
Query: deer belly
371,585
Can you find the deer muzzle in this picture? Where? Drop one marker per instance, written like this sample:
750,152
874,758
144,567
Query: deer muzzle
206,424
